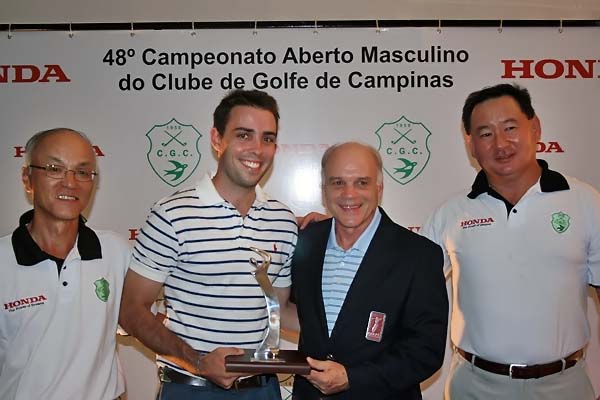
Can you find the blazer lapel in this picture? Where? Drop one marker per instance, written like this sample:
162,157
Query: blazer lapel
317,244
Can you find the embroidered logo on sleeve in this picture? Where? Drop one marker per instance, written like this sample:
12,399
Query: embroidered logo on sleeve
102,289
375,326
560,222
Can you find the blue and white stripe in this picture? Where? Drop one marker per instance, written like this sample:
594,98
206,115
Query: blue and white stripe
340,267
198,245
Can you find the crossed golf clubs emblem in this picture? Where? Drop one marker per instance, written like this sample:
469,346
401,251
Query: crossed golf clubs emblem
174,138
403,136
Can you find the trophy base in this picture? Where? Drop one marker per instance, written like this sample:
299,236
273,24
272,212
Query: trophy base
286,362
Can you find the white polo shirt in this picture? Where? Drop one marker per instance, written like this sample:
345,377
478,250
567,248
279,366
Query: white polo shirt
197,244
58,331
520,277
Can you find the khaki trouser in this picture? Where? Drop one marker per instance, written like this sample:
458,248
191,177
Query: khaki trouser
467,382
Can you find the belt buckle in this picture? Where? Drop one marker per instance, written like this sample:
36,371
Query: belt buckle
564,365
235,385
247,382
162,375
241,383
511,366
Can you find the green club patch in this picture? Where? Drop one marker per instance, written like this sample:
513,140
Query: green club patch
560,222
102,289
404,148
174,151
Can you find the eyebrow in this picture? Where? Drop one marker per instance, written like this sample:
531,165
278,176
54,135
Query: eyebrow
506,121
243,129
480,128
249,130
57,160
358,178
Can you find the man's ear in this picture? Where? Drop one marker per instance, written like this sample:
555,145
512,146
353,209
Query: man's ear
470,145
537,128
26,179
216,141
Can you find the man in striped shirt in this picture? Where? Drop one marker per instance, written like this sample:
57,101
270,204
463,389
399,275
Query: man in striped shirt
195,243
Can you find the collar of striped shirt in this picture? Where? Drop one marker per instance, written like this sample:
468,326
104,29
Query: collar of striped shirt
208,194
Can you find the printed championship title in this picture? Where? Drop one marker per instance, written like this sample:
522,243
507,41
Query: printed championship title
206,71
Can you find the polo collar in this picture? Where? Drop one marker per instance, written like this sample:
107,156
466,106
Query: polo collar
550,181
207,193
28,253
363,241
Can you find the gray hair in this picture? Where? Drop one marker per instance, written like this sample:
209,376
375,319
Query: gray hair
33,141
331,149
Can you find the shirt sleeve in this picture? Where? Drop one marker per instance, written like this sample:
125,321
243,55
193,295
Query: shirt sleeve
433,229
593,221
156,249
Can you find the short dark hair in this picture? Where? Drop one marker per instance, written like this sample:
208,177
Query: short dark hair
519,93
251,98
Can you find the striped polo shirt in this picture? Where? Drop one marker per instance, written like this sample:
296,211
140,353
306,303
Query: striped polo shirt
197,244
340,266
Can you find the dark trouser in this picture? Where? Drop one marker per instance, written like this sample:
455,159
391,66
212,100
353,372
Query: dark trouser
175,391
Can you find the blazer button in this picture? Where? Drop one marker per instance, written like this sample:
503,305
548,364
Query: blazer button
330,357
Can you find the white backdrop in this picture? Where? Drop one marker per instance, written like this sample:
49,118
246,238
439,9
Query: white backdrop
154,139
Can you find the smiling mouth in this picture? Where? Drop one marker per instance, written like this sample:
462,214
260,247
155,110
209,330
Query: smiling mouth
251,164
66,197
504,157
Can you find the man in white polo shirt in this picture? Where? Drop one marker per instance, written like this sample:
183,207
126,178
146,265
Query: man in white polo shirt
61,282
196,244
523,245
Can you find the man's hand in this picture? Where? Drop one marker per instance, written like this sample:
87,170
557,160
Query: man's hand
310,218
212,366
327,376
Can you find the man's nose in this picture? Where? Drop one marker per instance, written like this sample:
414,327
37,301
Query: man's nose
256,144
69,178
500,140
349,190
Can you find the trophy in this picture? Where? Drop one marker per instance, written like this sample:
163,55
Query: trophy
268,358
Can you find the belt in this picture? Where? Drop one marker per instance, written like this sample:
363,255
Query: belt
522,371
168,375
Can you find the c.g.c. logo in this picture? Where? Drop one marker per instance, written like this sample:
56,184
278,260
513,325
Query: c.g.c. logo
403,145
561,222
173,153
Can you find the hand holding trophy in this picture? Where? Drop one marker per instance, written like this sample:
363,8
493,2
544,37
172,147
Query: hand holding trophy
268,358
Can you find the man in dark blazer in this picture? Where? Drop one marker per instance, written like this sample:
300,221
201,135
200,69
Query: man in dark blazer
371,295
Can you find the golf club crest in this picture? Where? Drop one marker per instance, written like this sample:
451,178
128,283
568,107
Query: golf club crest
173,154
404,148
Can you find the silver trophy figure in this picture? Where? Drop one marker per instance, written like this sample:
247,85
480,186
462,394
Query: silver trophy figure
268,358
269,347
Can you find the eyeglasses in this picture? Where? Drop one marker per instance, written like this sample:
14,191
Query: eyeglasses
59,172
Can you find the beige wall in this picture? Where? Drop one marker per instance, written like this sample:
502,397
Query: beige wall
42,11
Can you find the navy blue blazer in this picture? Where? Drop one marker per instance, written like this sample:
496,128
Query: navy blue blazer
401,276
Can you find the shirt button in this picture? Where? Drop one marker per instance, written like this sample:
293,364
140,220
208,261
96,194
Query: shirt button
65,283
514,210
